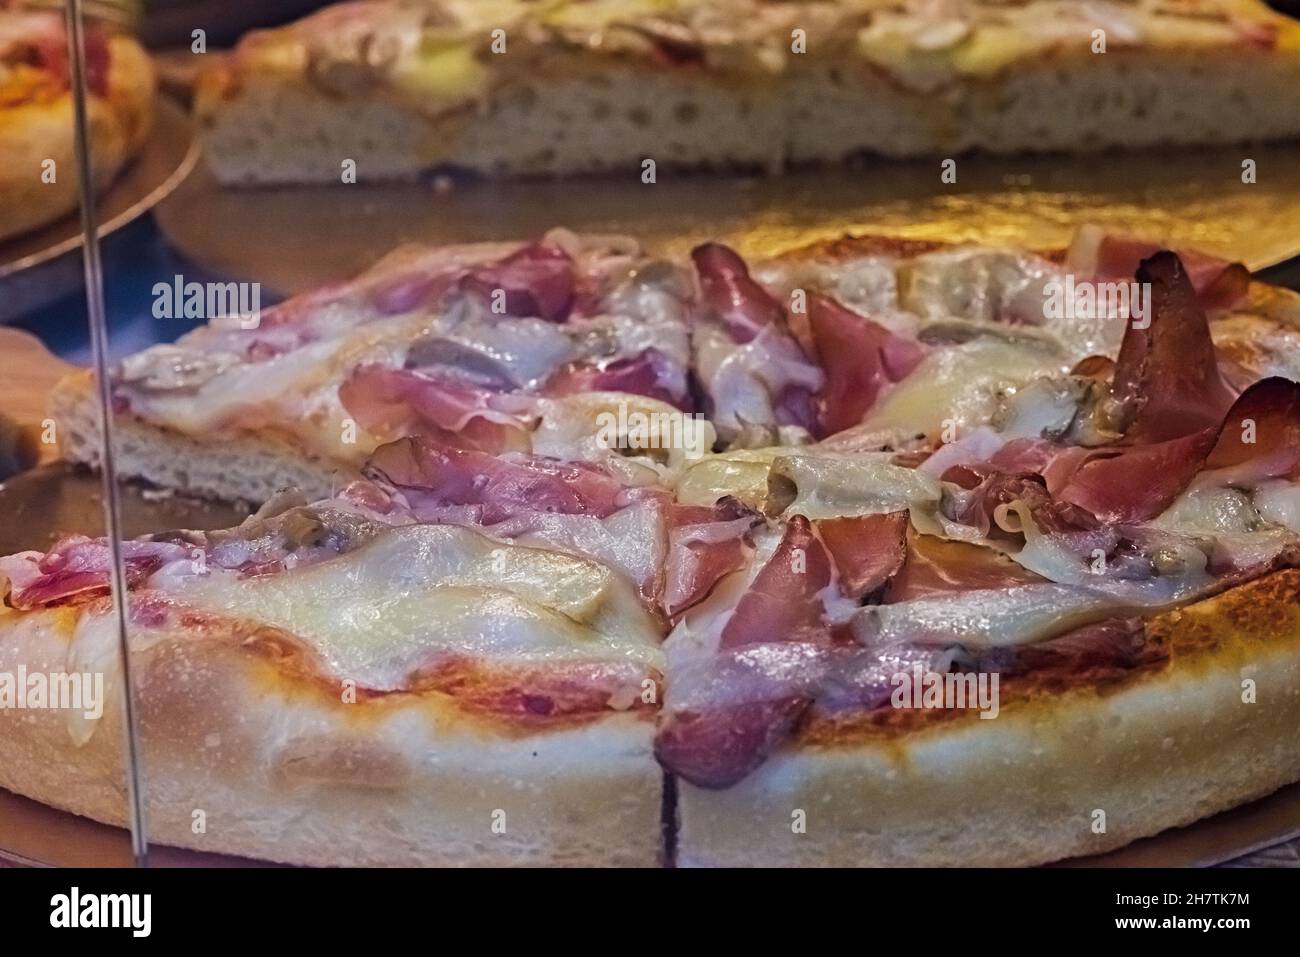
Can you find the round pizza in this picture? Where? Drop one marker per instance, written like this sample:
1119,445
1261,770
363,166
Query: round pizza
878,552
38,164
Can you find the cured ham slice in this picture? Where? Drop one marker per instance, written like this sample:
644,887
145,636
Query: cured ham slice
1108,257
1167,378
705,544
433,476
754,370
392,402
784,602
1258,439
649,373
537,280
867,550
1260,435
78,568
936,565
729,294
860,359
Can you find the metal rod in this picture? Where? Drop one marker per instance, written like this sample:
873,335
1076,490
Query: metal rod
108,473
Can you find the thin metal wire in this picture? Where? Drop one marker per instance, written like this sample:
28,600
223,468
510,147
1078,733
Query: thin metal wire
108,473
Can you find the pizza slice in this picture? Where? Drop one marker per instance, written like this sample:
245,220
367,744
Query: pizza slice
564,347
1103,565
525,89
36,115
454,662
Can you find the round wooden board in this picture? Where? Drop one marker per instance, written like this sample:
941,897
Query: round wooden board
39,267
292,239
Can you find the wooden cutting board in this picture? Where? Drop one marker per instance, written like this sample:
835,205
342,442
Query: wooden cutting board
28,371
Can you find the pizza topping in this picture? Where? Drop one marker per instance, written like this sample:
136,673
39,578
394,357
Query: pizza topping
960,387
936,565
441,592
78,568
572,506
867,550
705,545
538,280
730,295
1128,483
1259,438
1107,257
754,371
34,61
987,618
1167,381
860,359
391,402
819,486
1091,653
784,601
649,373
430,475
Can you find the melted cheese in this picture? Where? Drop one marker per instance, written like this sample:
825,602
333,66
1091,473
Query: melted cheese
832,486
959,386
1279,502
741,473
1209,510
419,592
638,438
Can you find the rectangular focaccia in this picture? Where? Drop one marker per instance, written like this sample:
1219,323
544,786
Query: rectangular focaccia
527,89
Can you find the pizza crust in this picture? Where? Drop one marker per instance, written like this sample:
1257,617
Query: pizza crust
1158,750
277,766
33,133
248,466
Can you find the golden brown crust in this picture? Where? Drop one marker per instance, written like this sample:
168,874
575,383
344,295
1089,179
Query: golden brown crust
277,767
1053,775
1243,617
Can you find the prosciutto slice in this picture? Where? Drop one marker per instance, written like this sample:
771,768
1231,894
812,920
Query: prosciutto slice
1167,380
784,602
705,544
393,402
1108,257
867,550
537,280
1260,435
729,294
934,566
433,477
78,568
1258,439
727,707
860,358
753,368
649,373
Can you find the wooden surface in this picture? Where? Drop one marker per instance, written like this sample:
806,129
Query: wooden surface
27,373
